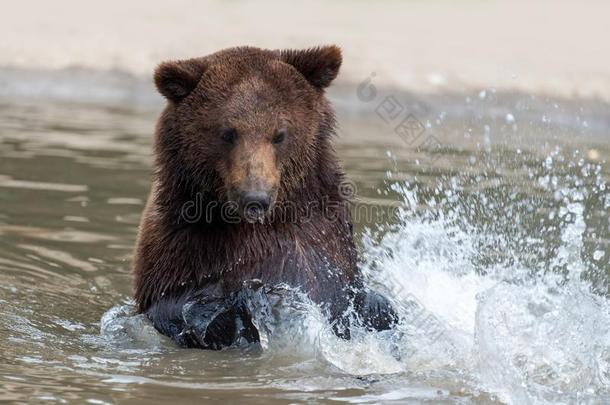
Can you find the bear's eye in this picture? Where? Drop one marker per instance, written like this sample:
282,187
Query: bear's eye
229,135
280,136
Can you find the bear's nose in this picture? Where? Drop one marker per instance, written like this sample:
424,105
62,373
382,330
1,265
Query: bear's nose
255,204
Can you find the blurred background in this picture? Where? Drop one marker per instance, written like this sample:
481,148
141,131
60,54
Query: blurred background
106,51
487,123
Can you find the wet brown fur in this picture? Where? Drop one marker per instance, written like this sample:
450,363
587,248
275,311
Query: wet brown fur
256,92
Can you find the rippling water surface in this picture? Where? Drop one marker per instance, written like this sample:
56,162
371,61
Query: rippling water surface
490,232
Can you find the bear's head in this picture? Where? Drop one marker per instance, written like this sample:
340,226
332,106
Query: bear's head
245,125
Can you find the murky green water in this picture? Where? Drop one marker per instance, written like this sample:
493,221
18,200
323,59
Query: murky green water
508,188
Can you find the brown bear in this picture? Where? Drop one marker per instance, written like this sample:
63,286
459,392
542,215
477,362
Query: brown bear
245,141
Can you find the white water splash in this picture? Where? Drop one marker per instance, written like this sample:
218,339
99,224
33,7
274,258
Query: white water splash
491,290
526,335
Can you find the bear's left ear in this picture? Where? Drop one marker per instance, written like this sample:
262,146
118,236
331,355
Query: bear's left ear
176,79
319,65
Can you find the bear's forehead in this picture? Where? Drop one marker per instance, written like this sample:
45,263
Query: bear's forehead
256,92
254,105
261,76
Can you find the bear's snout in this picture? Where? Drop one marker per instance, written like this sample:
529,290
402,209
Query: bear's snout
255,204
252,178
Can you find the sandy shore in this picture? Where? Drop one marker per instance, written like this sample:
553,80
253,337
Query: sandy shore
558,48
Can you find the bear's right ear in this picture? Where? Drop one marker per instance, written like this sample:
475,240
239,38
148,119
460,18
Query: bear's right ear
176,79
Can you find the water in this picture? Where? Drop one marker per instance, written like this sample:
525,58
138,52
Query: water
495,247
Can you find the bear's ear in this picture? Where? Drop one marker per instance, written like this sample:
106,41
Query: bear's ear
319,65
176,79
